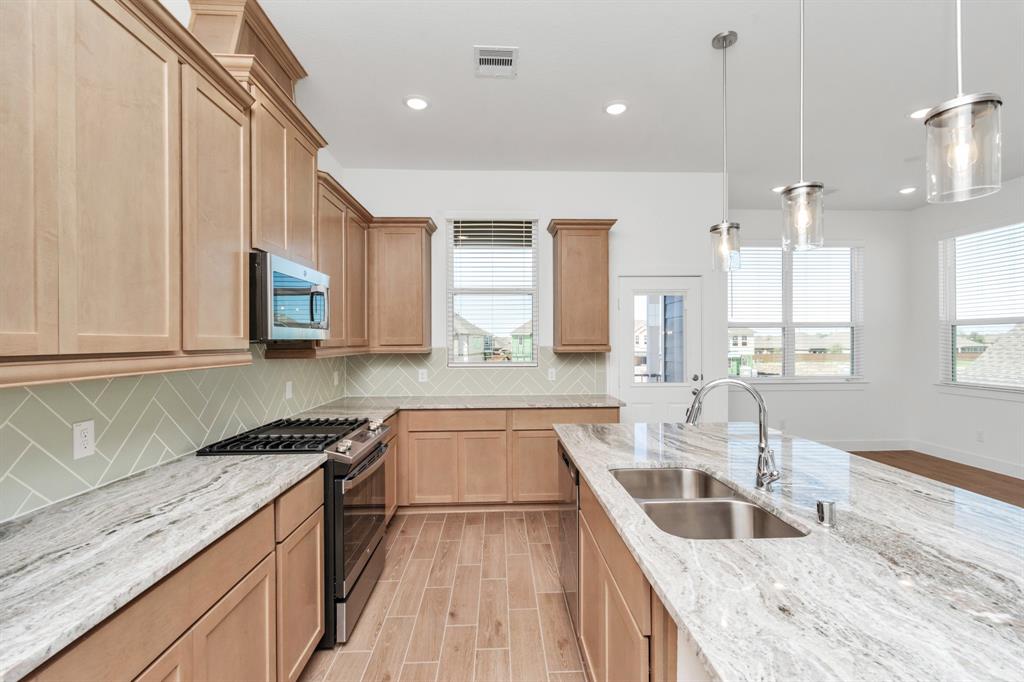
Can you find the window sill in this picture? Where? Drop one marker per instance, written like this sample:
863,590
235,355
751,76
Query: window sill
805,384
980,391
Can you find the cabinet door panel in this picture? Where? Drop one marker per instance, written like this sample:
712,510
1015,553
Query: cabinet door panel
433,467
331,215
301,201
391,481
28,201
119,160
174,665
592,612
270,133
356,328
482,467
215,218
536,467
300,596
236,639
626,650
399,264
583,313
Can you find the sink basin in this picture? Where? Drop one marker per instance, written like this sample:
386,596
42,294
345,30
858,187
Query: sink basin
711,519
672,484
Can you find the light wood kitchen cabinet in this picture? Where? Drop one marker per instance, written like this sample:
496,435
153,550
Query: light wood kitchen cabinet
102,137
482,470
433,462
236,639
581,293
391,480
400,284
331,216
591,594
174,665
215,216
301,202
300,595
355,291
270,135
536,467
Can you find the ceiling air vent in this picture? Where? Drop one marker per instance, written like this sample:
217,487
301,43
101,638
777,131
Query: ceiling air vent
495,62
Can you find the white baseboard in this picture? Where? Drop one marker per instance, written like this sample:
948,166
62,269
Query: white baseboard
968,458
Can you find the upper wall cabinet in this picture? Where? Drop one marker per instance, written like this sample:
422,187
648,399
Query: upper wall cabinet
581,285
400,285
284,142
108,95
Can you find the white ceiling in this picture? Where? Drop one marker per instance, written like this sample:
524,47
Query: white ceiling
869,63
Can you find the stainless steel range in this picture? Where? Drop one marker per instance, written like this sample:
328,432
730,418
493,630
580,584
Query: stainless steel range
353,503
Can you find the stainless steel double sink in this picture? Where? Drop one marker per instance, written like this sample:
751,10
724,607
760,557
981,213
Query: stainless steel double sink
692,504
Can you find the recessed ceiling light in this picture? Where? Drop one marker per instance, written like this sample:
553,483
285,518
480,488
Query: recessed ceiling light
920,113
416,103
778,190
615,108
908,190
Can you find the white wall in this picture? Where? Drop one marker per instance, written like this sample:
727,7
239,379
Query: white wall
946,421
661,230
864,415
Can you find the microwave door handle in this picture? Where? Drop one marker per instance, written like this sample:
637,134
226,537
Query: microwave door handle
321,291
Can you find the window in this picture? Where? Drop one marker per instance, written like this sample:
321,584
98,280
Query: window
796,314
982,308
658,327
492,293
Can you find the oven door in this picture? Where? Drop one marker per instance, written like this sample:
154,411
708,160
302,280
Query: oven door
297,301
359,518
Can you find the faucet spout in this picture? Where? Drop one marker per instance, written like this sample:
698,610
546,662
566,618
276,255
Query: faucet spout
767,472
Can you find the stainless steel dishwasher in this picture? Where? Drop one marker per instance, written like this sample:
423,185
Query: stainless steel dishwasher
569,538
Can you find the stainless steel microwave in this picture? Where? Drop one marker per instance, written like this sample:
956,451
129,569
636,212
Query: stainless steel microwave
288,302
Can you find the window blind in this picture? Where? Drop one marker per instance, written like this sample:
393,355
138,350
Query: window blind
982,308
492,292
796,314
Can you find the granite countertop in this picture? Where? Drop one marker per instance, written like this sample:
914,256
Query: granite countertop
68,566
384,407
919,580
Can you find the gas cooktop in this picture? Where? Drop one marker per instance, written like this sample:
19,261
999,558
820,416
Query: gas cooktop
287,436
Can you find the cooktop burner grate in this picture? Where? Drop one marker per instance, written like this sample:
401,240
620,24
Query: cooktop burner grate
293,435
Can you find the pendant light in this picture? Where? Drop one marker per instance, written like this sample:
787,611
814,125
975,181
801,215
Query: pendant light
725,236
964,156
803,207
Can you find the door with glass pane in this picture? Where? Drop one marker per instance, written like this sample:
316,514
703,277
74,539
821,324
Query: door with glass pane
657,346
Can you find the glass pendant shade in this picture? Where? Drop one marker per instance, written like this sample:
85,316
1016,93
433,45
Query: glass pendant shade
803,215
964,149
725,246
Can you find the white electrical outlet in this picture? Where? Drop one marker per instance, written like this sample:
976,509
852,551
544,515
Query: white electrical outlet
552,374
287,390
422,375
84,439
335,378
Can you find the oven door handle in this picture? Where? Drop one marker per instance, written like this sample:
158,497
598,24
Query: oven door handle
348,484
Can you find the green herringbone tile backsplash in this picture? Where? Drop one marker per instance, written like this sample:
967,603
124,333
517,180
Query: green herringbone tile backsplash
143,421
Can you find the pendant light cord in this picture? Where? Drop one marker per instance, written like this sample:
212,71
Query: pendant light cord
959,52
725,141
802,89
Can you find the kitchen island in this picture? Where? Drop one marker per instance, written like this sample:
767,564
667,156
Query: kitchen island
919,580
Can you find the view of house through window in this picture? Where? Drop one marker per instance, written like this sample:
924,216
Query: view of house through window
492,292
983,296
795,314
658,338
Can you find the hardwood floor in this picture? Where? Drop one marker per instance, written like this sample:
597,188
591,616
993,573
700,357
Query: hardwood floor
991,484
465,596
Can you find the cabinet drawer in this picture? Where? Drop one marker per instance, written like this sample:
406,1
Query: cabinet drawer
532,420
456,420
127,642
635,589
295,505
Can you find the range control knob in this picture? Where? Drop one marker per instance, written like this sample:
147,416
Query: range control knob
344,446
375,424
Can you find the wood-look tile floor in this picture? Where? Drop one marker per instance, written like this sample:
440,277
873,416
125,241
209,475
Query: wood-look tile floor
468,596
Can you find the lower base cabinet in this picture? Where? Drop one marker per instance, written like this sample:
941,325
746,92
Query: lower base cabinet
236,639
300,596
175,665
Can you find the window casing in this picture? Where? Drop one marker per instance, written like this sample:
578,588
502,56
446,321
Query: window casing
797,315
492,293
981,308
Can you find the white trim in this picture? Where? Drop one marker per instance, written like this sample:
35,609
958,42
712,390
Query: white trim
1014,395
969,458
874,445
798,384
450,216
